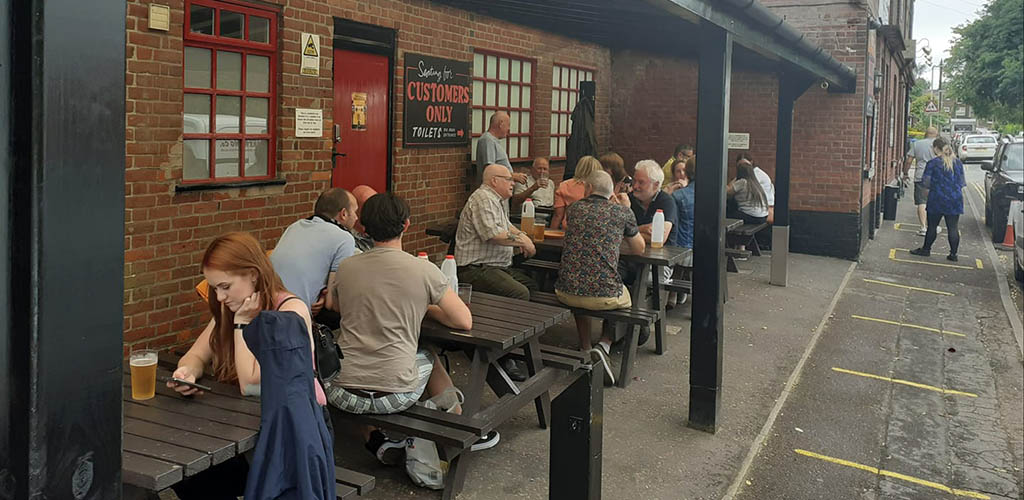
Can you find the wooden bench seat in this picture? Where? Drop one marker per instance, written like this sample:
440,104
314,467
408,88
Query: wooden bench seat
731,254
747,235
611,320
544,272
678,285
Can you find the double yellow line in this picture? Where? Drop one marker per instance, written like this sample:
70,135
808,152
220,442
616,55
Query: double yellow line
895,475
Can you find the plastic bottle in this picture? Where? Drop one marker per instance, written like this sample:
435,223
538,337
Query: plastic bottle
422,255
658,229
448,267
527,214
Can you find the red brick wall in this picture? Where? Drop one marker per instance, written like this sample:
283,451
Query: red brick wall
166,232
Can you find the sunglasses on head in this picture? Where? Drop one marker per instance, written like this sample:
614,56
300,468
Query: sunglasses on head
627,180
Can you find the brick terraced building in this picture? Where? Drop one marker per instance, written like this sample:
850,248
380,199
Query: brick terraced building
233,110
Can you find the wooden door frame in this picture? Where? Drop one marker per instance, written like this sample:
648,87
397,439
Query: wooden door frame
371,39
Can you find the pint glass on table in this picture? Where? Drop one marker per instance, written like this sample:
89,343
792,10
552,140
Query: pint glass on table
143,368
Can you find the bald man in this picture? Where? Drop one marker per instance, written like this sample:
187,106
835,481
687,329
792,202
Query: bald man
490,148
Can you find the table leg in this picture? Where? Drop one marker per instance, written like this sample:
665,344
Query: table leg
455,479
533,364
628,354
477,377
659,326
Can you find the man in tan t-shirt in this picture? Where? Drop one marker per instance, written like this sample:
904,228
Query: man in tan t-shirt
383,295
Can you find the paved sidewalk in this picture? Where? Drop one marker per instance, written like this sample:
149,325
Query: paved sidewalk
913,389
649,452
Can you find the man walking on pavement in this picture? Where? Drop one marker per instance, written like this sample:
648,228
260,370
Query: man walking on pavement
920,154
489,149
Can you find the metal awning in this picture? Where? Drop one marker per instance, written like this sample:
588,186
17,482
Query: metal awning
763,41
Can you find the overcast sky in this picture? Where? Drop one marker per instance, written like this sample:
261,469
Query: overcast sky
934,20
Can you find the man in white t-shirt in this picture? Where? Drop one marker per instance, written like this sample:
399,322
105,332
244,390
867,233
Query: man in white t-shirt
919,155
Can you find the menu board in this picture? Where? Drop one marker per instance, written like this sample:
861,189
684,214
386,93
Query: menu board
436,101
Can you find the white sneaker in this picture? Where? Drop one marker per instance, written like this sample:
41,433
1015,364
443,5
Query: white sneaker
938,230
486,442
598,354
922,232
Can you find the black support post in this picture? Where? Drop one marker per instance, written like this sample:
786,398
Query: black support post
577,439
714,80
62,156
790,88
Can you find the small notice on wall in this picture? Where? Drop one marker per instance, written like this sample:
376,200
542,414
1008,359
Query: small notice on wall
359,111
309,122
739,140
310,55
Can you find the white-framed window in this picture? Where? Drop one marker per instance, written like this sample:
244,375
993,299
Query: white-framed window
565,91
503,82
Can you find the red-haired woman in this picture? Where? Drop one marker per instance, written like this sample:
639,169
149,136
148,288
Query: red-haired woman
242,283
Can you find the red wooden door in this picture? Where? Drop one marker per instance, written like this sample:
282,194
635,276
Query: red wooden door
361,109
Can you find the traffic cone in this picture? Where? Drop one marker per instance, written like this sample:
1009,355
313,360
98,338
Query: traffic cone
1008,236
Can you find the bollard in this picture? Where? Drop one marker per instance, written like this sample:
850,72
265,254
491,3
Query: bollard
576,438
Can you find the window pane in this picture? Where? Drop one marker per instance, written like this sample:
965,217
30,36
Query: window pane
527,72
229,70
256,115
554,75
478,121
227,158
565,79
554,124
502,95
525,123
472,150
526,97
574,78
201,20
565,123
478,65
256,157
259,29
513,123
197,114
229,109
567,103
503,69
257,73
492,67
554,100
197,68
232,24
478,93
516,71
513,147
490,99
524,145
553,147
514,95
196,159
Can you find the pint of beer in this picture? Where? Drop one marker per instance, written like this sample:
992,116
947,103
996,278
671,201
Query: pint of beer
143,367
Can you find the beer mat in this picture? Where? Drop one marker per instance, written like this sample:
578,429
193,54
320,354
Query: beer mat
554,233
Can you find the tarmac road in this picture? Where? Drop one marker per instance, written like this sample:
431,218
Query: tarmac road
914,387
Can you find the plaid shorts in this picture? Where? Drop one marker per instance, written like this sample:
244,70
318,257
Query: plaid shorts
385,404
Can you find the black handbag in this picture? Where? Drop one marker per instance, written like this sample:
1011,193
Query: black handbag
327,353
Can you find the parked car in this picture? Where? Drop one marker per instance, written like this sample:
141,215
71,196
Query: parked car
977,147
1018,244
1004,182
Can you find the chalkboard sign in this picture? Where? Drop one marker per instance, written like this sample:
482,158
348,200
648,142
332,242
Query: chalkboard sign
436,102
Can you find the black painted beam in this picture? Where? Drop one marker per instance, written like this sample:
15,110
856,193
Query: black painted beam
64,119
577,417
713,82
791,87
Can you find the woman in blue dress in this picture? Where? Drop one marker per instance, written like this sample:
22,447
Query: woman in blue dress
944,180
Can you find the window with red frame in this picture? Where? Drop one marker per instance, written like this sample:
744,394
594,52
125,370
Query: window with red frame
503,83
230,95
565,91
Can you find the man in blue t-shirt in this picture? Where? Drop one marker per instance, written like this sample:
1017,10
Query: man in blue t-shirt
647,198
309,251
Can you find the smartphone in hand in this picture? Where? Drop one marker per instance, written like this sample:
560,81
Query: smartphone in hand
193,385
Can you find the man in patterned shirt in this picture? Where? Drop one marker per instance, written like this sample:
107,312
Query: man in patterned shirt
589,278
485,241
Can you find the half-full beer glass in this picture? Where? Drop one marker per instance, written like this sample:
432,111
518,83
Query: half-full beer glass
143,367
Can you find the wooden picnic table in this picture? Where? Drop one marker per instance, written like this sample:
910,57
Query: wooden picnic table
501,326
655,258
171,437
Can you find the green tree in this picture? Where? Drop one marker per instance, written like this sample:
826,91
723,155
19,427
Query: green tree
986,65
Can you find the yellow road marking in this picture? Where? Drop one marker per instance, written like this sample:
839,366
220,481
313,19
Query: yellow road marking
892,257
894,475
908,325
897,225
906,382
908,287
980,190
978,263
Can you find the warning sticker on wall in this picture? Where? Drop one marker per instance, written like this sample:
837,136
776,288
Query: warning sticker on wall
359,111
310,55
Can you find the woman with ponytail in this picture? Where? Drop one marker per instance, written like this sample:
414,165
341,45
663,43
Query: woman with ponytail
944,180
